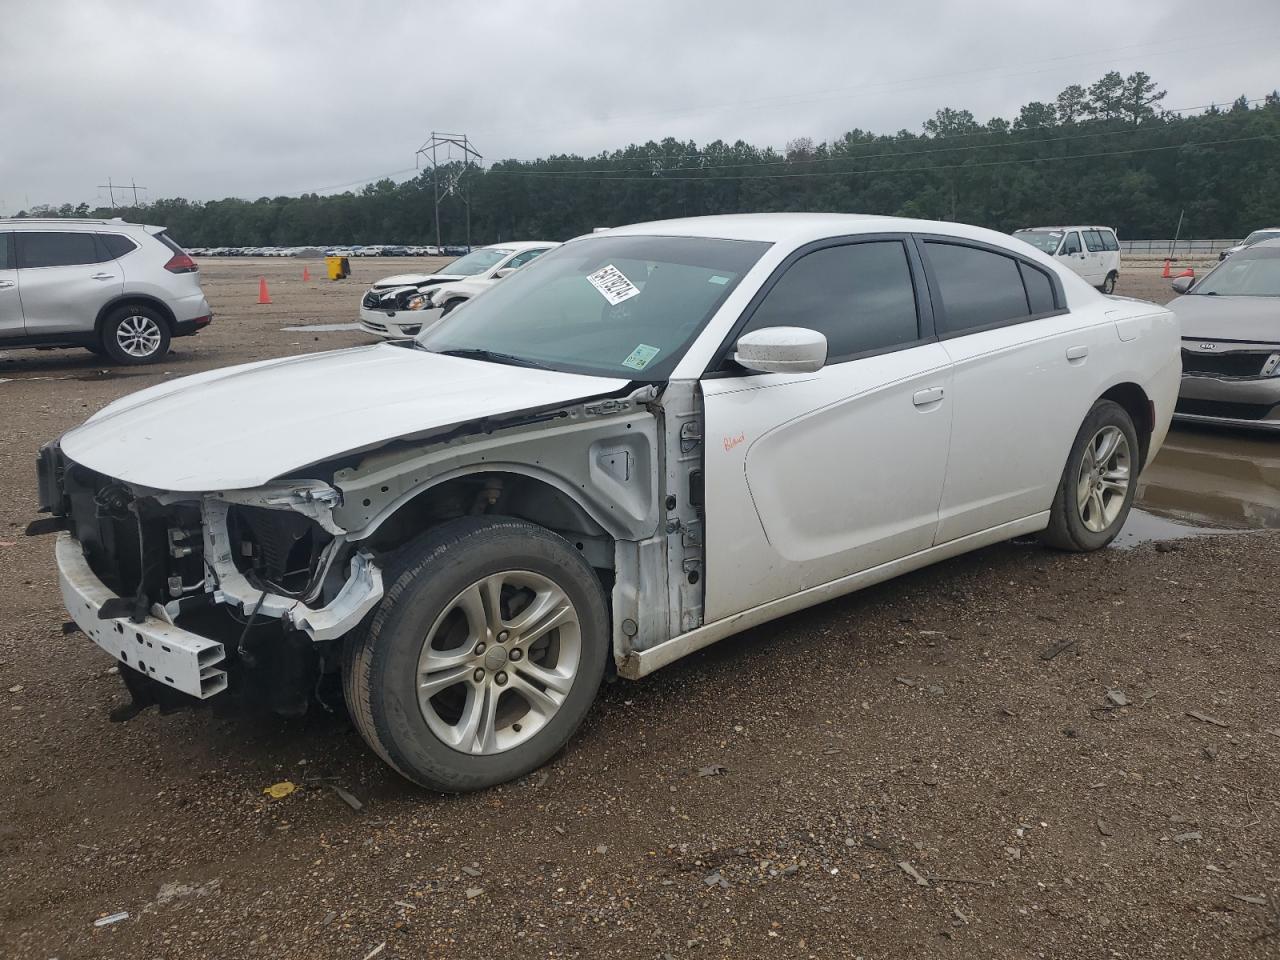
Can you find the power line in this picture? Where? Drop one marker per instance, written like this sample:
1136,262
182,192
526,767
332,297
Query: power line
916,169
1004,142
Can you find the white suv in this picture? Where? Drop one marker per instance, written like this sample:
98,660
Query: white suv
122,290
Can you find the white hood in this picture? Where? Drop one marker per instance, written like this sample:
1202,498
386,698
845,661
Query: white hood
416,280
243,426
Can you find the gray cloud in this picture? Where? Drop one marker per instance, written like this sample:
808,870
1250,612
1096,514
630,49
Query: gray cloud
251,99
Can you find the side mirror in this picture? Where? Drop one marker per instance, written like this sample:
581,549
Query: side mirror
1182,284
504,272
782,350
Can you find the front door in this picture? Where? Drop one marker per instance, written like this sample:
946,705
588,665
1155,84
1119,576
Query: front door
67,278
1072,253
812,477
10,303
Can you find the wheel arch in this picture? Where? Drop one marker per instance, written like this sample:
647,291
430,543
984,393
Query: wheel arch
125,299
1138,405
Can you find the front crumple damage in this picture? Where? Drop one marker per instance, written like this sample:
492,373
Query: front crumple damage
304,610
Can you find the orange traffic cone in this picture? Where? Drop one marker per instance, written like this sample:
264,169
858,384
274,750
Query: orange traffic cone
306,275
263,295
1187,273
1165,274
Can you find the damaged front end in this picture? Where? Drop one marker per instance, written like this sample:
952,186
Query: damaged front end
184,587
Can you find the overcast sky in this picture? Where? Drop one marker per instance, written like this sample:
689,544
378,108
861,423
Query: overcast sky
263,98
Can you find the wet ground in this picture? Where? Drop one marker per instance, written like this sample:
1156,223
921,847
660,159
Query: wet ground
1078,756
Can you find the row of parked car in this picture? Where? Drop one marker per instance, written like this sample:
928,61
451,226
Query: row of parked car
356,250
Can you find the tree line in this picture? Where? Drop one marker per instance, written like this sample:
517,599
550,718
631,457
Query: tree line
1108,153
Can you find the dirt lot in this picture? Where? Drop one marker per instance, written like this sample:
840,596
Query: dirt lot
776,795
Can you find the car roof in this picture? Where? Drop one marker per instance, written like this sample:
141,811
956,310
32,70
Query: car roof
1074,226
516,245
73,224
799,228
1263,248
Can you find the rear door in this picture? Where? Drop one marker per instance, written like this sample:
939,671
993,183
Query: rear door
66,278
11,324
811,477
1023,381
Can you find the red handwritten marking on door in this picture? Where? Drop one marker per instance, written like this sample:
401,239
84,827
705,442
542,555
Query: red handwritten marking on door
731,442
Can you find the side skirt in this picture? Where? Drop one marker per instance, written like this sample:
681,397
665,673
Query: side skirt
643,662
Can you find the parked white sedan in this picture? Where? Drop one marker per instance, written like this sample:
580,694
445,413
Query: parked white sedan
660,436
403,306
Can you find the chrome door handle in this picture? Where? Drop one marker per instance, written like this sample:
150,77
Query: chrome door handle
6,284
923,398
1077,353
103,276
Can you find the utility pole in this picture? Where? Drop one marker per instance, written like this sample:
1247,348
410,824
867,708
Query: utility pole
110,188
136,188
455,183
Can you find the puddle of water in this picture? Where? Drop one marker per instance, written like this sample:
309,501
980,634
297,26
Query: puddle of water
1144,527
322,327
1215,479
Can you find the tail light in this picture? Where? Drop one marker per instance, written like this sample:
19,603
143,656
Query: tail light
181,263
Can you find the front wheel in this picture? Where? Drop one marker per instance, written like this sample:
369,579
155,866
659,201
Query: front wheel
1098,483
483,657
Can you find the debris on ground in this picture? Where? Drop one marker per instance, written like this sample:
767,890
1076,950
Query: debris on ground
169,892
1117,698
1060,647
1188,836
473,892
1205,718
1104,828
347,797
113,918
278,791
713,770
906,867
376,950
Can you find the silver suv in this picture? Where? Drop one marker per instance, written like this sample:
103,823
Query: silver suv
121,290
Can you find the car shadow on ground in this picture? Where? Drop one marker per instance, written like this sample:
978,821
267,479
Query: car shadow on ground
76,364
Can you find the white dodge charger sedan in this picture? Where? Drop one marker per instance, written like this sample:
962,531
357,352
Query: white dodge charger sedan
663,435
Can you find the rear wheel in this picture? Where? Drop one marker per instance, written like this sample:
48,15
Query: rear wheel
1098,483
135,334
1109,285
484,656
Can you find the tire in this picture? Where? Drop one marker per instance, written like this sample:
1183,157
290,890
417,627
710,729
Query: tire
424,628
1089,508
135,334
1109,285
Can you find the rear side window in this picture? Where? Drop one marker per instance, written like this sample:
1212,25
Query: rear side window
978,288
117,246
1109,241
6,251
1093,241
53,249
1040,296
859,296
168,241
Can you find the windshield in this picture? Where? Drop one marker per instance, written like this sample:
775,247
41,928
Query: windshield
1046,240
1258,236
1253,274
478,261
607,306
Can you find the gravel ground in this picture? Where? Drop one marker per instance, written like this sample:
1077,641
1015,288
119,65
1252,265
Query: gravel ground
901,773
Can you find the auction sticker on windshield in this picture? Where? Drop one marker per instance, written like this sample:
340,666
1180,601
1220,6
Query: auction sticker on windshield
639,358
613,284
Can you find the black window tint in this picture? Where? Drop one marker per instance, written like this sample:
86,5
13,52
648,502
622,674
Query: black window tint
40,249
1093,241
168,241
117,246
859,296
978,288
6,251
1071,244
1109,241
1039,289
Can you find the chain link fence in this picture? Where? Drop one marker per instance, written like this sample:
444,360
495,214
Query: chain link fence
1172,248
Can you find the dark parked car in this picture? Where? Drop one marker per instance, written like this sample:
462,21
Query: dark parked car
1231,340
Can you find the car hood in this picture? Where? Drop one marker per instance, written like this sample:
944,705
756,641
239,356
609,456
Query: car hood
1249,319
416,279
243,426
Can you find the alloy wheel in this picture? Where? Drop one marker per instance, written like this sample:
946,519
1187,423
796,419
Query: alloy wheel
1103,482
498,662
138,335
